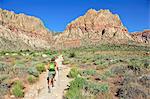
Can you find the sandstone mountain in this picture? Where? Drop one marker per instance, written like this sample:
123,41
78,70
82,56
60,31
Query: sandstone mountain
22,32
141,37
94,27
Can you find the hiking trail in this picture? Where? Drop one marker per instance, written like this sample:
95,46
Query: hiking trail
39,90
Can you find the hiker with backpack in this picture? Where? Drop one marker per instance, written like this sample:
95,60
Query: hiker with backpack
52,68
59,61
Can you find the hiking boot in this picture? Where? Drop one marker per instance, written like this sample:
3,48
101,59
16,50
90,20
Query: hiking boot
52,85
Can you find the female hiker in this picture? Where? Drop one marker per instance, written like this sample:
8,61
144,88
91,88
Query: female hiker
51,68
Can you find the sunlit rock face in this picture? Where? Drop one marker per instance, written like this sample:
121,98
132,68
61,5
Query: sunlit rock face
22,32
94,27
141,37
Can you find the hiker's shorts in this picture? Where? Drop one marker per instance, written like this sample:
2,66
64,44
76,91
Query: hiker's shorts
51,74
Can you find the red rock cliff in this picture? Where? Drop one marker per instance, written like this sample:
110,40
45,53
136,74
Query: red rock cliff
93,28
19,32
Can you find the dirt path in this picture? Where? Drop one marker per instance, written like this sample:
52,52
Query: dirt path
40,90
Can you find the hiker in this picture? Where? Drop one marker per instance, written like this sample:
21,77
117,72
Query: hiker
52,68
59,61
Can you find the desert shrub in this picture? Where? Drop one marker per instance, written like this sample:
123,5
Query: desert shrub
19,65
73,73
72,55
48,52
66,62
135,62
33,71
74,91
146,64
103,66
41,67
88,72
131,92
2,53
106,75
4,88
119,70
96,88
2,66
141,63
83,60
19,83
3,77
17,89
31,79
78,85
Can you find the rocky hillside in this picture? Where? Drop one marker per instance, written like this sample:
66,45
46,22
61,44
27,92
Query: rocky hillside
21,32
93,28
141,37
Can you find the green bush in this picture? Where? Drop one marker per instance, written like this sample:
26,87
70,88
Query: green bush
33,71
106,75
88,72
79,84
101,64
95,88
17,89
32,79
73,73
19,65
74,91
48,52
19,83
40,67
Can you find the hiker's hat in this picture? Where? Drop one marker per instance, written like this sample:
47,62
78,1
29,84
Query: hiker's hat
52,59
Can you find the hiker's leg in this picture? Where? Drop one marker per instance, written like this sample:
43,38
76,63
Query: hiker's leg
48,80
49,87
52,81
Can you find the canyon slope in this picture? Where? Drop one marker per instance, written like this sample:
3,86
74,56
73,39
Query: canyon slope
141,37
95,27
22,32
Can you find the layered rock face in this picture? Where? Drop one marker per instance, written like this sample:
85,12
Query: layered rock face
93,28
22,32
141,37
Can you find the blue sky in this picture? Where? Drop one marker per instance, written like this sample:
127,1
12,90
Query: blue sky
56,14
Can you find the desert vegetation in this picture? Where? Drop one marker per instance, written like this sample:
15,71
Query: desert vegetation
105,71
19,69
109,72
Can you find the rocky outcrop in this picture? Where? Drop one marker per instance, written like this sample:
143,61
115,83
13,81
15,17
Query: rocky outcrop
94,27
141,37
21,32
